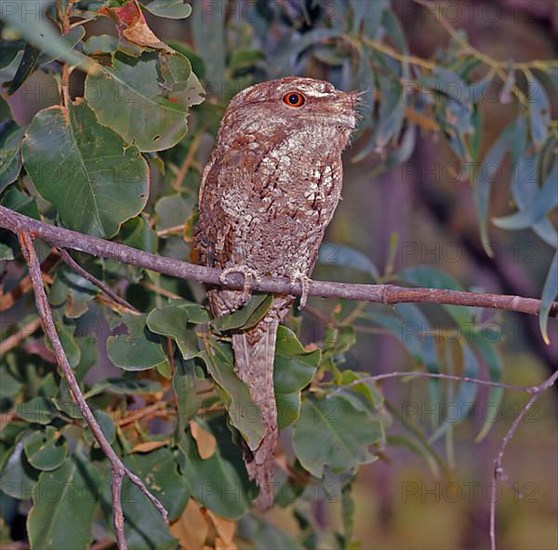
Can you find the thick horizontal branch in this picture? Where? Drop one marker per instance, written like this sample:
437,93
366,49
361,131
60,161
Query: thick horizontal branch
384,294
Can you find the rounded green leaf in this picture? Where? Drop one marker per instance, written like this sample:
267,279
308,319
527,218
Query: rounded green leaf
46,450
93,178
64,502
171,9
145,99
333,432
139,349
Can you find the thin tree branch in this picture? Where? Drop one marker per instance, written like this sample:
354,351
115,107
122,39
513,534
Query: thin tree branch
118,467
420,374
384,294
24,332
499,472
64,254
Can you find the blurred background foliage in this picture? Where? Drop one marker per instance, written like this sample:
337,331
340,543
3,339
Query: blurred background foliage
450,182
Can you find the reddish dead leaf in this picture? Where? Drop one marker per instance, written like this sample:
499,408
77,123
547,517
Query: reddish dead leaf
191,527
205,441
132,26
148,446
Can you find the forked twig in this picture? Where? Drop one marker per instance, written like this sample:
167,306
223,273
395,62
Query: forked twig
119,470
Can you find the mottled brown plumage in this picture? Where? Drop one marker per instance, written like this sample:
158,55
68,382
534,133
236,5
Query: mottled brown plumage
267,194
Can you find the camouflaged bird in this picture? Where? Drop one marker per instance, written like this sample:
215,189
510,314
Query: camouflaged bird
267,195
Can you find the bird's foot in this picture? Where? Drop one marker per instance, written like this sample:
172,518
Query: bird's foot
304,280
249,277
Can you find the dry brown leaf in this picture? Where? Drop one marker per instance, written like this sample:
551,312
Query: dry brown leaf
421,120
220,544
191,527
148,446
205,441
132,26
225,529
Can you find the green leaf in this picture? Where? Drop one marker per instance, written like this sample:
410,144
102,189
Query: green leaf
46,450
99,44
10,159
145,99
549,293
540,205
524,188
219,482
489,353
171,9
208,34
426,276
144,528
138,349
38,410
124,386
486,176
333,432
14,199
18,477
159,470
85,170
173,321
33,26
466,393
539,110
184,386
106,424
9,385
244,414
304,41
137,233
294,369
247,316
264,534
64,502
26,67
345,256
6,253
390,113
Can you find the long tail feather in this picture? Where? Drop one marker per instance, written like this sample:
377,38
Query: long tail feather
254,352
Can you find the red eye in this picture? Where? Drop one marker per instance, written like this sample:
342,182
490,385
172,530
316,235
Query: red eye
294,99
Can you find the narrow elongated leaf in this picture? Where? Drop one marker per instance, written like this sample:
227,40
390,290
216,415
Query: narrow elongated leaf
30,22
541,204
466,394
85,170
539,110
70,491
345,256
247,316
486,176
184,386
489,353
244,414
